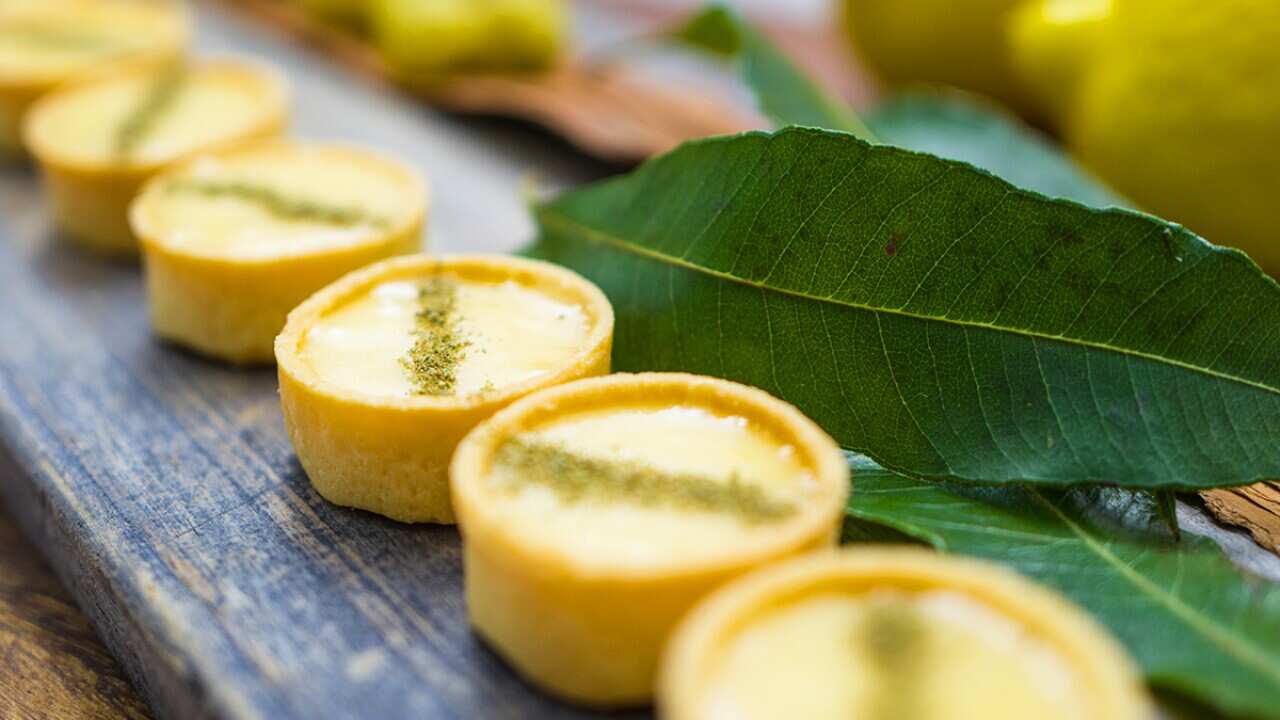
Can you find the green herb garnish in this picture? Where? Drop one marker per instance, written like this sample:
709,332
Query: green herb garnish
61,39
277,203
157,100
892,635
438,346
576,478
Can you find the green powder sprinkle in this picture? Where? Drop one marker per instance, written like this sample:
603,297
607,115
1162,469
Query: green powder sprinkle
438,346
277,203
61,39
893,636
576,478
159,98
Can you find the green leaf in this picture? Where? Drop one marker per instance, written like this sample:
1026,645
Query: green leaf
957,128
935,317
1166,506
786,95
1194,623
953,126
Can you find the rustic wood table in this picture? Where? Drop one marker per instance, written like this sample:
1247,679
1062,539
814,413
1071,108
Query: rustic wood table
163,491
52,665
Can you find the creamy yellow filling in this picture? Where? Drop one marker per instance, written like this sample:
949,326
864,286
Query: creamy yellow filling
889,655
652,506
204,107
255,204
512,333
56,38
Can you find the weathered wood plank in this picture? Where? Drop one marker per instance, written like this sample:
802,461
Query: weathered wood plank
54,666
1256,508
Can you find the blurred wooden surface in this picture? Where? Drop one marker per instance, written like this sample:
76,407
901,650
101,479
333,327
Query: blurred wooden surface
52,664
617,109
1255,508
605,110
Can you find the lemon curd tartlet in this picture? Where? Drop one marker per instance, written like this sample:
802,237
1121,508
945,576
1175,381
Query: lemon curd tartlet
595,514
233,241
384,371
99,140
894,633
47,43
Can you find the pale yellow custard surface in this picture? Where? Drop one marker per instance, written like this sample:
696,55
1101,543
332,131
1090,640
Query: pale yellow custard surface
894,634
232,241
513,333
891,655
207,105
646,522
97,141
47,42
595,514
383,372
278,199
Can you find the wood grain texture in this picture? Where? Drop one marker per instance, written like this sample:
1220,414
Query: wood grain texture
52,665
1256,508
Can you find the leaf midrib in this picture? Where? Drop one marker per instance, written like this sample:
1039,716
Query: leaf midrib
565,221
1230,644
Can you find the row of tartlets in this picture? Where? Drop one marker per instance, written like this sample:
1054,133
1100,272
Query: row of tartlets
598,512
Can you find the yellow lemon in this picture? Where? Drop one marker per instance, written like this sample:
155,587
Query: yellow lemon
442,37
1176,103
945,42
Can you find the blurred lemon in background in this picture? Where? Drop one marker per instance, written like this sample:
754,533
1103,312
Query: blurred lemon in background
1176,103
431,38
946,42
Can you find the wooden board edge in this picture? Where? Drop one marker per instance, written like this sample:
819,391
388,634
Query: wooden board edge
47,522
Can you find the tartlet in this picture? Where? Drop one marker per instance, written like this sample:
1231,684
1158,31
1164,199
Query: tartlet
384,371
97,141
233,241
595,514
45,44
879,632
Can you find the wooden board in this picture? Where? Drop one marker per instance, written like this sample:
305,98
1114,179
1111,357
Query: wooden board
55,668
164,491
1255,508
